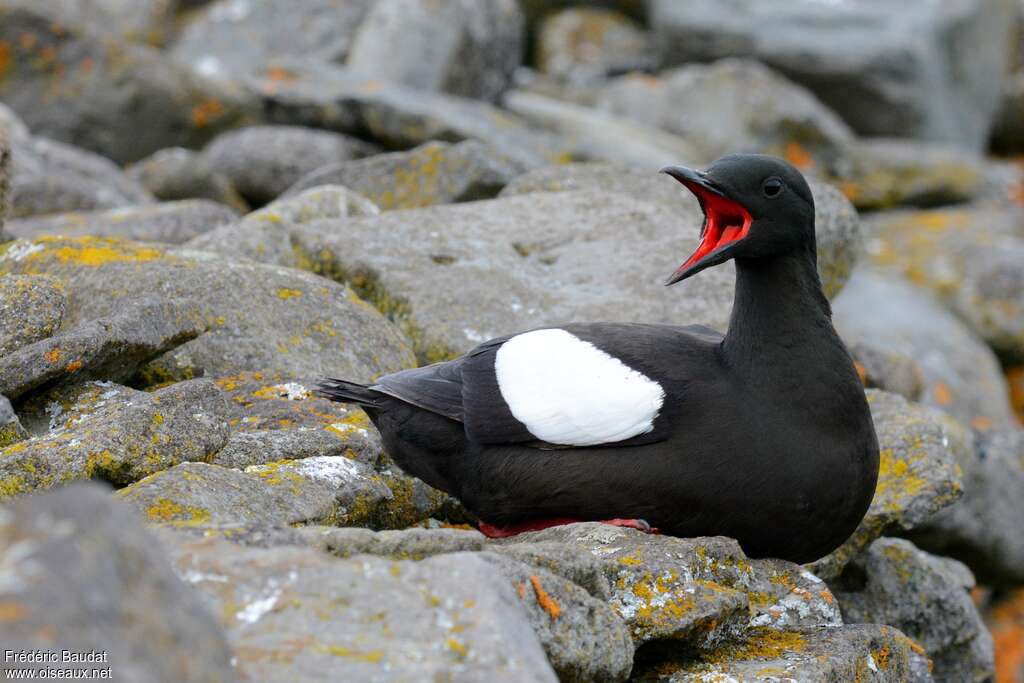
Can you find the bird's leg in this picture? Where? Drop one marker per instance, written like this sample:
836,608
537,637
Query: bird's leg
638,524
491,531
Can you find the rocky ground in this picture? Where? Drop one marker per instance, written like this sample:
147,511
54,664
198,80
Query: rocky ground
210,204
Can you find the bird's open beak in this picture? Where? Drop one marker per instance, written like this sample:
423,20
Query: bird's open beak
726,222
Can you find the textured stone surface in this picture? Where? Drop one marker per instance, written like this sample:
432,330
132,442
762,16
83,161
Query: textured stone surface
139,21
261,318
888,371
31,309
117,434
586,44
178,173
434,173
11,430
924,596
81,574
930,69
169,222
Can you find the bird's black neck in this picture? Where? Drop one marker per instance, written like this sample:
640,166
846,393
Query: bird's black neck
779,313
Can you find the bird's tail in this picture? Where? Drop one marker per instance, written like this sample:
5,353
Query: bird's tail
344,391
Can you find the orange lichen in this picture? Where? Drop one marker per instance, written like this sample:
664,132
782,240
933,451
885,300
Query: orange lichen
1006,621
798,155
206,113
548,603
981,423
862,373
74,366
1015,378
5,58
279,73
942,393
52,356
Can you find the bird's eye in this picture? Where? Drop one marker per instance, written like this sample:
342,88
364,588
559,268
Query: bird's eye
772,187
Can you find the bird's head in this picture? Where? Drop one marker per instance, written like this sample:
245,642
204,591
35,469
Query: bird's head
755,206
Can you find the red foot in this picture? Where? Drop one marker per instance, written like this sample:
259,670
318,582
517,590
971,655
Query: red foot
491,531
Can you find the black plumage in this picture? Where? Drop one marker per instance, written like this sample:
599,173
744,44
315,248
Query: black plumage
763,434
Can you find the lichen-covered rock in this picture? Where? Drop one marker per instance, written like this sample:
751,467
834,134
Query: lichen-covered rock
178,173
984,529
918,473
694,591
81,574
122,100
110,432
434,173
464,47
265,235
586,44
300,615
862,653
735,105
110,348
305,93
11,430
260,447
924,596
399,544
889,371
53,177
168,222
31,309
883,173
228,38
261,318
264,161
961,374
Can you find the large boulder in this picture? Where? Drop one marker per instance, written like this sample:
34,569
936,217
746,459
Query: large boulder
931,70
261,317
81,574
178,173
587,44
31,309
121,100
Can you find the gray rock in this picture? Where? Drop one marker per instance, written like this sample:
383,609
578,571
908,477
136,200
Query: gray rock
52,177
119,435
322,96
1008,132
12,123
888,371
464,47
918,475
264,161
178,173
31,309
11,430
168,222
260,447
734,105
81,574
586,45
931,70
229,38
991,296
598,135
434,173
961,374
110,348
140,21
866,652
124,101
924,596
299,615
261,318
983,530
400,544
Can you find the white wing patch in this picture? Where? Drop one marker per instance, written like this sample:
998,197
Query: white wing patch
569,392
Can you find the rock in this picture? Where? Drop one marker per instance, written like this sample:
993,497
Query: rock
924,596
983,530
110,348
583,44
887,172
51,177
264,235
897,70
299,615
400,544
692,592
169,222
831,655
308,94
961,374
888,371
12,123
264,161
229,38
121,100
119,435
734,105
138,21
536,10
260,447
178,173
1008,131
918,473
82,575
600,136
261,318
464,47
31,309
11,430
434,173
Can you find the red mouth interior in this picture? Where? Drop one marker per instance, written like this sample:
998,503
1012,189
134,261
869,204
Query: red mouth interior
725,222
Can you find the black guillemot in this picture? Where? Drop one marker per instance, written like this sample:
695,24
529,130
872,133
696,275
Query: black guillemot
763,434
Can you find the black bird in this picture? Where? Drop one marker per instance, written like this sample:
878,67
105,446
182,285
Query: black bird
762,434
